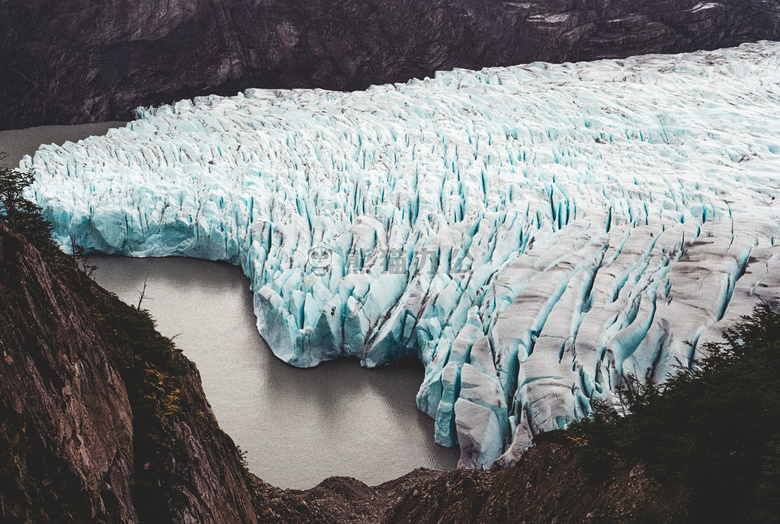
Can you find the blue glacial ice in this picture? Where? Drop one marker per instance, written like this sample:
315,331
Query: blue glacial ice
533,234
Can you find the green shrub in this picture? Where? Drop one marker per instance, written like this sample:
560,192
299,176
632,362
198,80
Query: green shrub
712,432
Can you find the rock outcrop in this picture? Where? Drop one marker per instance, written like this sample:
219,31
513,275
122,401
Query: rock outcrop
66,425
94,428
73,61
549,484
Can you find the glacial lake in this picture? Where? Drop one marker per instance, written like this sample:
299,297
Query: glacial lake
297,426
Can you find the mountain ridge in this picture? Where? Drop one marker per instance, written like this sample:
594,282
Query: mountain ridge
77,61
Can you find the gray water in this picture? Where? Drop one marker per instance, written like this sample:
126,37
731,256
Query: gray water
297,426
16,143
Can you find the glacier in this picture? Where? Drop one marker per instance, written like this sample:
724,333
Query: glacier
536,235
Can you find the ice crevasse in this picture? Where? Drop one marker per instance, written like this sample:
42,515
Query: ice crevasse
533,234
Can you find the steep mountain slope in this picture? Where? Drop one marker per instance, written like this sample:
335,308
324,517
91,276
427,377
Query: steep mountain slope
94,427
67,424
75,61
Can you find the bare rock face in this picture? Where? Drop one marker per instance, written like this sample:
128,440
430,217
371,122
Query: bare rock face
97,429
548,484
73,61
66,433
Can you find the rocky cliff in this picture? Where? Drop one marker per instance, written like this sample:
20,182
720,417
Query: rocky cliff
72,61
66,425
101,419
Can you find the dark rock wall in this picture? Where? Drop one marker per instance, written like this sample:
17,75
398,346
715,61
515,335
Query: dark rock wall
203,478
547,485
66,434
81,438
72,61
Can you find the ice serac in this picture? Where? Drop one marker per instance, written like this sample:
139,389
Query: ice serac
533,234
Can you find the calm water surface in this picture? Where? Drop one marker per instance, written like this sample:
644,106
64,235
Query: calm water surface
16,143
298,426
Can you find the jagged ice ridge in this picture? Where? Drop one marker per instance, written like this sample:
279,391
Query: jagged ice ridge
533,234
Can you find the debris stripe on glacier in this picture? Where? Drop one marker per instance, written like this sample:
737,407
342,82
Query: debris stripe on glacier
561,226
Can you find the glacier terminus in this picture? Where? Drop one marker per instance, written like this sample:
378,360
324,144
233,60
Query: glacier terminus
535,235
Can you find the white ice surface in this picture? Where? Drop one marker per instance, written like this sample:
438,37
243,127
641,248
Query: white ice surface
533,234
